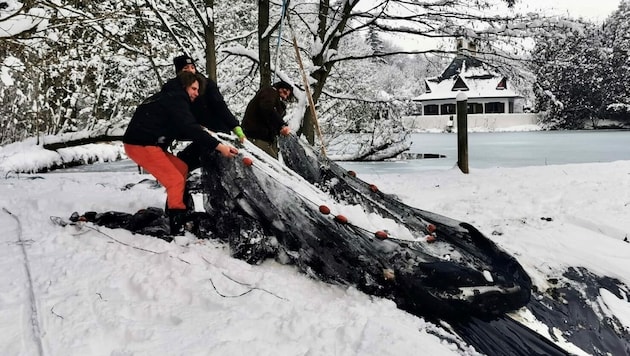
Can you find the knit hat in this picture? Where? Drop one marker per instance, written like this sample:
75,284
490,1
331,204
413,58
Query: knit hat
284,85
182,61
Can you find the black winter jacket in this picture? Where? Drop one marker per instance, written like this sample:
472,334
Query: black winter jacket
212,112
263,116
164,117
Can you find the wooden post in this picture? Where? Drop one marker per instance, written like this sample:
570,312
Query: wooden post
462,132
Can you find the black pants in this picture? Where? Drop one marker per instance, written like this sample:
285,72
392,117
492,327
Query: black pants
191,155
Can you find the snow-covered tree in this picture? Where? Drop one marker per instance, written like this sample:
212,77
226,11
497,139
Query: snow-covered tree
569,76
615,39
84,63
376,43
580,72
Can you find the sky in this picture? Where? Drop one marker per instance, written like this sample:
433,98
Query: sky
88,290
596,11
593,10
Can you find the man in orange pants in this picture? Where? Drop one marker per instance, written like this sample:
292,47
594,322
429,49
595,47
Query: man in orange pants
157,122
209,109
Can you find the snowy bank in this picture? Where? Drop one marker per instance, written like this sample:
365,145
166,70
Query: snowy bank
98,291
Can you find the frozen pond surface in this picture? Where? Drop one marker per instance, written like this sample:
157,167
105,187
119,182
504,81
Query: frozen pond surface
508,149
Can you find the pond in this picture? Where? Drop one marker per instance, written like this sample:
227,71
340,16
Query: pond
507,149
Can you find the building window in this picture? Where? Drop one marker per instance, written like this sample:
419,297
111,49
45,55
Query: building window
431,110
448,109
502,84
495,108
459,85
475,108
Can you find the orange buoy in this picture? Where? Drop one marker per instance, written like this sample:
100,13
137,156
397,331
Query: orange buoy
324,209
430,238
248,161
373,188
381,235
431,228
341,219
352,173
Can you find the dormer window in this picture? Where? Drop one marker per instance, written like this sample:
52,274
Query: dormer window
427,88
459,85
502,84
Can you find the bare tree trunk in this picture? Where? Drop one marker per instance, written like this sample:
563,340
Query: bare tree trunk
211,53
323,68
264,53
331,42
308,127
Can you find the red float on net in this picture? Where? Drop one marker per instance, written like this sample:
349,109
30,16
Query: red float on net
352,173
341,219
324,209
430,238
431,228
248,161
373,188
381,235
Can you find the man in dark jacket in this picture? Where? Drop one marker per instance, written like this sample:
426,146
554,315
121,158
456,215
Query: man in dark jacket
263,119
210,111
157,122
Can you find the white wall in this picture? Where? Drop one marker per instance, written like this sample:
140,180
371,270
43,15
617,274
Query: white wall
480,121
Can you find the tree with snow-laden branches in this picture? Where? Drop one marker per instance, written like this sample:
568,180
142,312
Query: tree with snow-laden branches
581,73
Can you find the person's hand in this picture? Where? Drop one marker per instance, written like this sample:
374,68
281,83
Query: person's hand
226,150
285,131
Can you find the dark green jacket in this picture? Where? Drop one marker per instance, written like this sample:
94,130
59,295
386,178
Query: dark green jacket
263,116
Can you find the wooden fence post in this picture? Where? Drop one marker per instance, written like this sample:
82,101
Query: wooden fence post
462,132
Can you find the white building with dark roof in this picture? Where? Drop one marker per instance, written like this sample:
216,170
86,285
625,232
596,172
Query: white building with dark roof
492,103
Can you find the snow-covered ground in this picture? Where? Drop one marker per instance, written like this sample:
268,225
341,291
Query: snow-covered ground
99,291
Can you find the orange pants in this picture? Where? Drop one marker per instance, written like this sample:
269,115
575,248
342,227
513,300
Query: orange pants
169,170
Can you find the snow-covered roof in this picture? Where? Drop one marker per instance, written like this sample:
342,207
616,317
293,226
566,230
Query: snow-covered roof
469,75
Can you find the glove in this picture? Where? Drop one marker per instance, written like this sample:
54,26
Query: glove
238,131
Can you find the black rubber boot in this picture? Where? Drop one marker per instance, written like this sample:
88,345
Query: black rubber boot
177,221
188,200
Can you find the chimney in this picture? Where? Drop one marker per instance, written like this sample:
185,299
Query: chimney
465,47
459,43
